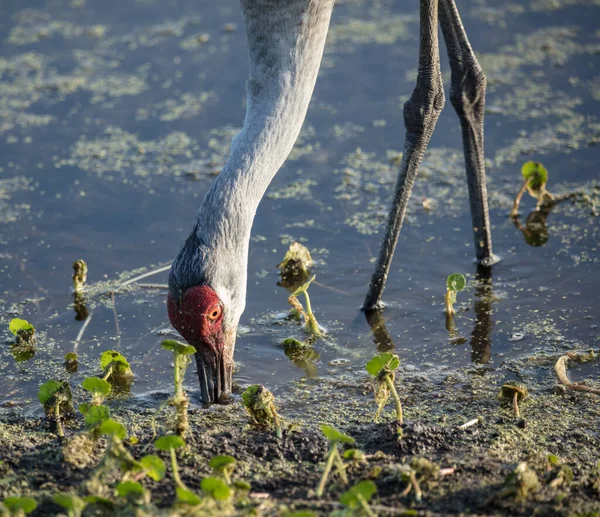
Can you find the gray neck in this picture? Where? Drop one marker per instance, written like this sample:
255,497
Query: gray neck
285,41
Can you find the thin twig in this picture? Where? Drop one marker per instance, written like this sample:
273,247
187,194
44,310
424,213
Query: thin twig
81,331
469,423
561,371
145,275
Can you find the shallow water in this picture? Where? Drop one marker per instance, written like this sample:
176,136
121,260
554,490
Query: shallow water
113,122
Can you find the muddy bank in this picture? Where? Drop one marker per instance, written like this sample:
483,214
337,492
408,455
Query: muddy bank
474,461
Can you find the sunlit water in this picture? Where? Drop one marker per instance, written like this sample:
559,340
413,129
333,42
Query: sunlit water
114,120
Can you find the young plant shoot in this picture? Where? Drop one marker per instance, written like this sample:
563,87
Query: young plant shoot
514,391
357,498
17,506
383,369
302,355
223,466
334,437
454,283
170,443
535,178
72,503
57,400
80,271
116,369
23,347
310,322
179,400
295,266
71,362
260,404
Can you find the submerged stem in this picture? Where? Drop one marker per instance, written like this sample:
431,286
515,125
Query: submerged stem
108,373
365,506
515,209
328,465
516,404
175,470
59,427
450,299
397,402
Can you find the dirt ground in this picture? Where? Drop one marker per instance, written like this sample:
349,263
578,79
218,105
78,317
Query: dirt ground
283,474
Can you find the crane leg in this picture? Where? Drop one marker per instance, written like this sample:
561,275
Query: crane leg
421,113
467,95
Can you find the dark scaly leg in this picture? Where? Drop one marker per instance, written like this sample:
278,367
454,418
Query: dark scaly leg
421,113
467,95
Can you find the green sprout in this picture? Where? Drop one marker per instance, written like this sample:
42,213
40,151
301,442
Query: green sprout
357,498
303,356
216,488
57,400
133,492
454,283
223,466
171,443
99,388
80,271
179,400
71,362
311,324
295,266
116,368
383,368
334,437
70,502
514,391
24,344
535,178
19,505
260,404
557,473
520,483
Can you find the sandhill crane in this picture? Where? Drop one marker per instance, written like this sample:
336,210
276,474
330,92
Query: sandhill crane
207,281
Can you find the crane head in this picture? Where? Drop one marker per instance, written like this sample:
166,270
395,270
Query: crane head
198,315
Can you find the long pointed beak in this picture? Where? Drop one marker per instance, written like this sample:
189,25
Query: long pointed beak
215,372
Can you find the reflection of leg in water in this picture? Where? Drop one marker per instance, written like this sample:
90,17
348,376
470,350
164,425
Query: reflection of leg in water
381,336
481,345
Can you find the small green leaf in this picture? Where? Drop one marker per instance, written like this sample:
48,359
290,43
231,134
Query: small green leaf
70,356
178,347
16,325
111,427
96,385
119,363
456,282
364,489
130,489
242,485
536,173
96,499
379,362
335,436
168,442
219,462
95,415
48,390
216,488
27,504
153,466
83,408
187,496
70,502
249,394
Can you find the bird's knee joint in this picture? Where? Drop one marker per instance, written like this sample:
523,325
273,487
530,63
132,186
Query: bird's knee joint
467,91
423,109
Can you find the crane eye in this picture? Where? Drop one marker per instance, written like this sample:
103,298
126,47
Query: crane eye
215,313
